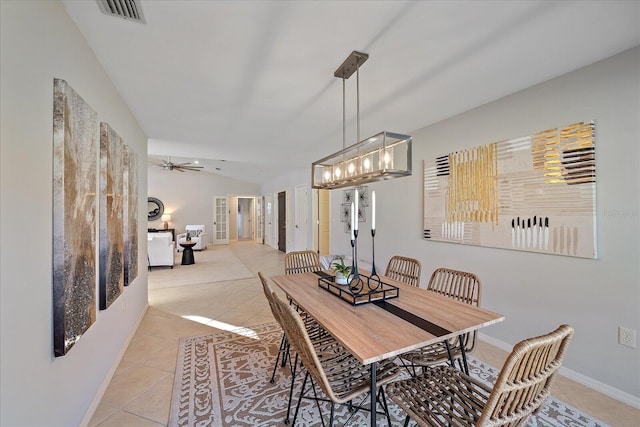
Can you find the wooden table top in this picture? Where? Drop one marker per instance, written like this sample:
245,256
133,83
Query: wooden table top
373,334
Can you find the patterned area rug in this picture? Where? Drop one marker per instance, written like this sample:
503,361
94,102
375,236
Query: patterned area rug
223,380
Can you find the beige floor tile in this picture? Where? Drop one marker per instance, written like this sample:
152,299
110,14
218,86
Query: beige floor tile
125,419
165,359
131,383
143,347
155,403
103,412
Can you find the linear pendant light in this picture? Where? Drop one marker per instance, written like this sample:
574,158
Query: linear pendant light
385,155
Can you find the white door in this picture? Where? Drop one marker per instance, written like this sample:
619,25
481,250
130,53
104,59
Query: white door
268,220
220,220
301,219
260,219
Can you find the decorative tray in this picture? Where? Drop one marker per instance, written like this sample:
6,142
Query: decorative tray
361,290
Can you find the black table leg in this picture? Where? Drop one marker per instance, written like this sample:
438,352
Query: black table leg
374,368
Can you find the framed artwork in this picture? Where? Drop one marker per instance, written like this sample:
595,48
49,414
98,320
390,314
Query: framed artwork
535,193
345,212
111,281
130,217
75,142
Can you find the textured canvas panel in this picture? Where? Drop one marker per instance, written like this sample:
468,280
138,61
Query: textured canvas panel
130,186
75,142
535,193
111,216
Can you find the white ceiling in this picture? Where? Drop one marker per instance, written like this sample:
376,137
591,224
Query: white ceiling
251,82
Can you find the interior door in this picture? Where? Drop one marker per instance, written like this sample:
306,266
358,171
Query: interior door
260,220
282,221
269,220
322,215
220,220
301,219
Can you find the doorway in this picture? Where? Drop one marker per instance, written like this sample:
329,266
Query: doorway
245,218
282,221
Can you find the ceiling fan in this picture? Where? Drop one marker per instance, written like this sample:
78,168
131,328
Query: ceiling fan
181,167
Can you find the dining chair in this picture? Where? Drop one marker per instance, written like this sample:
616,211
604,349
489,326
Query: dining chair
294,262
460,286
404,269
444,396
341,377
301,262
319,337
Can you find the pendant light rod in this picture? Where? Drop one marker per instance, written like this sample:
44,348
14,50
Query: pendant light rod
357,103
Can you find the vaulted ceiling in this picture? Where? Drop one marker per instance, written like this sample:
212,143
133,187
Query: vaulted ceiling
251,82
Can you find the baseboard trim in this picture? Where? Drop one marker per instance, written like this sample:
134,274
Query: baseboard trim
586,381
107,380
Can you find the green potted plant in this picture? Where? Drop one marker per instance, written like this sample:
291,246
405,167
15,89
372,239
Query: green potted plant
342,271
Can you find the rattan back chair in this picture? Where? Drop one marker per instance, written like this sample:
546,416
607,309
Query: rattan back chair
339,375
404,269
294,262
319,337
460,286
443,396
301,262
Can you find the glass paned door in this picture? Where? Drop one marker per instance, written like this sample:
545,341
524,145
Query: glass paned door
221,220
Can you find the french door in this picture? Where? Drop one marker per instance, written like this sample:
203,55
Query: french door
220,220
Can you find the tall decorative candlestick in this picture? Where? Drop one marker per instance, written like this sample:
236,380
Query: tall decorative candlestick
373,235
355,283
352,225
356,197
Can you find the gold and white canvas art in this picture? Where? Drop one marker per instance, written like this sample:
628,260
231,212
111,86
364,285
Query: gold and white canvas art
535,193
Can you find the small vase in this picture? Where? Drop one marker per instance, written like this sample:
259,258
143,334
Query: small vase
341,279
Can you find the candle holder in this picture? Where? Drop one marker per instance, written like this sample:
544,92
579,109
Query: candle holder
373,258
355,282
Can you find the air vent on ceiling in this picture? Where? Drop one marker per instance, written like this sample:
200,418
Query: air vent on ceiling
126,9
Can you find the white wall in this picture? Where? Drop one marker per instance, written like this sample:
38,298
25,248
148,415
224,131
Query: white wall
188,196
537,292
39,42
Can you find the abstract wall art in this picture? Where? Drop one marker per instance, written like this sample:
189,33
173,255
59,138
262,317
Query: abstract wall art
75,142
534,193
130,226
111,261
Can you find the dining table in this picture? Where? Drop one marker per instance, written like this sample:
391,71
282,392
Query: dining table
385,328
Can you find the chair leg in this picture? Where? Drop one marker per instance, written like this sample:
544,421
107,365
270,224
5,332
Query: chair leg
294,370
331,416
280,352
304,384
382,398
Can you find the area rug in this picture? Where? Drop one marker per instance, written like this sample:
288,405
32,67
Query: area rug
223,380
214,264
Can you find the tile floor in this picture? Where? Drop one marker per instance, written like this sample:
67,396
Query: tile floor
140,391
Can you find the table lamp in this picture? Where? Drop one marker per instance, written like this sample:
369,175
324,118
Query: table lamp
166,218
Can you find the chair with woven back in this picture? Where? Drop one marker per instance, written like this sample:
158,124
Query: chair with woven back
301,262
294,262
461,286
444,396
404,269
319,337
340,376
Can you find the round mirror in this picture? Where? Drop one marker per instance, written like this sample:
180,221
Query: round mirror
155,208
